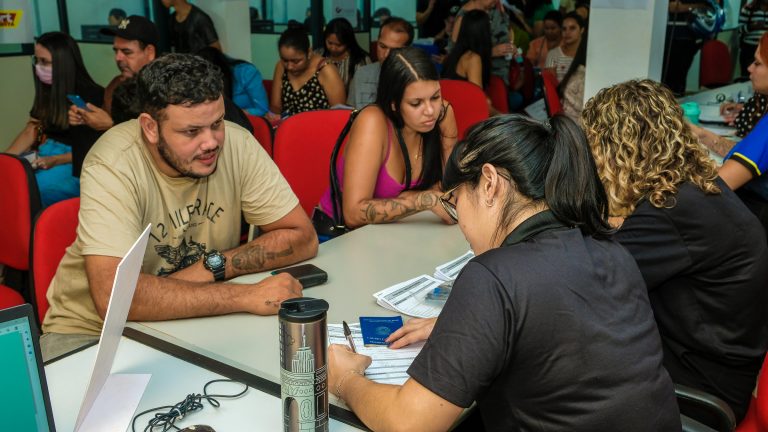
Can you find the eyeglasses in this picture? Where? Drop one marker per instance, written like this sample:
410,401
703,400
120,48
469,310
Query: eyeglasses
448,206
41,61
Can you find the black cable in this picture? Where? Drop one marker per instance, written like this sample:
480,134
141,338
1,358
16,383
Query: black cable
192,403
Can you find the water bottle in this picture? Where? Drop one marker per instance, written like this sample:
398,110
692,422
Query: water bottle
519,56
303,359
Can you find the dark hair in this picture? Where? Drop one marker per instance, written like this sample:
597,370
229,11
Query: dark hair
579,59
177,79
556,16
296,38
548,164
117,13
475,36
125,105
402,67
225,64
576,17
399,25
346,35
69,77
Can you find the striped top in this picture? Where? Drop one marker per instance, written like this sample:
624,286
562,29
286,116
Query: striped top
557,60
752,15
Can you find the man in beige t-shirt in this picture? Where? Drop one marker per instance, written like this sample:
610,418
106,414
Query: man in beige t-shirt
189,174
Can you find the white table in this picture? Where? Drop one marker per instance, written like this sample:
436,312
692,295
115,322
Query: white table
358,264
172,380
728,92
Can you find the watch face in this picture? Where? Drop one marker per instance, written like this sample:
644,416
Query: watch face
214,260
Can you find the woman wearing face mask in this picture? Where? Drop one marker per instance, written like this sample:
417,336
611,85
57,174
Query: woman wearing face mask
58,72
549,327
409,126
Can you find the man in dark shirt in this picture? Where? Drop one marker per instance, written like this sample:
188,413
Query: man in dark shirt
191,28
431,16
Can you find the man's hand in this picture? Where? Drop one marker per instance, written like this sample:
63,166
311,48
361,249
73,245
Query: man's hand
265,297
94,117
503,49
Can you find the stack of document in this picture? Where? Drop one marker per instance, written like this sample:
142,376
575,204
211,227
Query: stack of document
389,366
409,297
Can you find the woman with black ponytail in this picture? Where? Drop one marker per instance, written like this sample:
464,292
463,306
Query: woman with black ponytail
549,327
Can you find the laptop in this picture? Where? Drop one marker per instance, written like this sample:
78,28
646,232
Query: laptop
24,402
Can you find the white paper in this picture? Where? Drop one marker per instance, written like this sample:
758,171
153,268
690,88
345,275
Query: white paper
117,312
408,297
724,131
450,270
389,366
116,403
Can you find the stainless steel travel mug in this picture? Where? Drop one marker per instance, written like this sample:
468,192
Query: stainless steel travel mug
303,371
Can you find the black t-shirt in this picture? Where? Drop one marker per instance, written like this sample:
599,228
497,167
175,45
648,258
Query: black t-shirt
194,33
80,138
551,331
705,263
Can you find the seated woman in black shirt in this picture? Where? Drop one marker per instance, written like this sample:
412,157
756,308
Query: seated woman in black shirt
702,253
549,327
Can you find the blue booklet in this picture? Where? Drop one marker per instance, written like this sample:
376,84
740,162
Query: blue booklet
376,329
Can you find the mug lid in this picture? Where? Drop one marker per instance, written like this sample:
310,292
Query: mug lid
303,309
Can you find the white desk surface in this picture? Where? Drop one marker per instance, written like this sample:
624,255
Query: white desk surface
358,264
172,380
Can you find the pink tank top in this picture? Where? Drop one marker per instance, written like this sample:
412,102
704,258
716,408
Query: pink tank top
386,186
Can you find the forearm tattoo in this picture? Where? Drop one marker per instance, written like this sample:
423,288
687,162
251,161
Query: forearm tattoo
255,258
388,210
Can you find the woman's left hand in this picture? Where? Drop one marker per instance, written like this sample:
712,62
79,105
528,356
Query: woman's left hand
342,362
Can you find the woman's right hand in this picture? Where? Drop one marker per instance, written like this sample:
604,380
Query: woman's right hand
729,111
414,330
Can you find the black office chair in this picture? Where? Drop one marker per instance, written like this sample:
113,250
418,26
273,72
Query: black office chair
719,410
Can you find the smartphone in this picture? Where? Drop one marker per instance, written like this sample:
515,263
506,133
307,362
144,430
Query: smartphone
77,101
307,274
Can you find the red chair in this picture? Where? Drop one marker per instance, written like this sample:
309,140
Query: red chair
551,97
302,151
468,101
54,231
716,67
529,83
262,131
497,91
268,87
756,419
21,202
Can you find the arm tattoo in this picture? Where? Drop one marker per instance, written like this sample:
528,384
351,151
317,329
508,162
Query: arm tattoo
388,210
255,258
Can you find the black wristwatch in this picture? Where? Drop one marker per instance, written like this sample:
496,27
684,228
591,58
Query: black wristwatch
214,262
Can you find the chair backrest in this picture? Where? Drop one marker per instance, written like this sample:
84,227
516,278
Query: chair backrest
716,66
10,297
55,230
21,202
550,93
262,131
302,151
497,91
468,101
268,87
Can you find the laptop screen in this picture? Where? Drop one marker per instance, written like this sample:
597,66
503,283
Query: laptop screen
24,403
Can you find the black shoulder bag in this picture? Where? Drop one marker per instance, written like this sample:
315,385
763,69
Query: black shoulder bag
334,227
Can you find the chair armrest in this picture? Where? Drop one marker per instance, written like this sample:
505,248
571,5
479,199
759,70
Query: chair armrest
715,405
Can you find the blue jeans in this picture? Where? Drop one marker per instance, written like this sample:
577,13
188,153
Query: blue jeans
57,183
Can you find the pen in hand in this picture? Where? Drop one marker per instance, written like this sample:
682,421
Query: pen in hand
348,335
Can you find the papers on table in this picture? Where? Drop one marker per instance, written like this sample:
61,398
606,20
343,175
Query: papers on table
389,366
450,270
722,130
408,297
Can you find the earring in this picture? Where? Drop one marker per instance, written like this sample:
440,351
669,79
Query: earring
489,202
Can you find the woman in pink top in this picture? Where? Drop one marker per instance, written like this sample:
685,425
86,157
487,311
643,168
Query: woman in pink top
410,120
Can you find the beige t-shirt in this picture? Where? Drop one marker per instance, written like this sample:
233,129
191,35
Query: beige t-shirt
122,192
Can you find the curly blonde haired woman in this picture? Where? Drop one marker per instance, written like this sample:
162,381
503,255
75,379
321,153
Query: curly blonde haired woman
702,253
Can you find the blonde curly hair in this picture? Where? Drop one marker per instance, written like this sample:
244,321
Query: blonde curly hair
643,148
